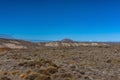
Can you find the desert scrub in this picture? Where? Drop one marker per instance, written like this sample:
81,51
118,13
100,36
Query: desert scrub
46,62
23,75
28,71
15,72
55,76
43,77
48,70
116,61
52,70
5,78
30,63
31,76
36,76
4,73
43,71
66,75
38,63
4,49
69,79
63,76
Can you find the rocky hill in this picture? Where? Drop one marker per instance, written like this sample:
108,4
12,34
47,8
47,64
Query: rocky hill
71,43
75,44
16,44
21,44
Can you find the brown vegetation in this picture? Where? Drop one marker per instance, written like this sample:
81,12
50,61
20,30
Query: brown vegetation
61,63
4,49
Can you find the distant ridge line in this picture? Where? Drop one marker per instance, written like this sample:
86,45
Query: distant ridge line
116,42
41,40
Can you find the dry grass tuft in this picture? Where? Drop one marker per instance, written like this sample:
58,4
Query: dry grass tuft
43,71
43,77
4,72
15,72
31,76
52,70
5,78
21,76
66,75
4,49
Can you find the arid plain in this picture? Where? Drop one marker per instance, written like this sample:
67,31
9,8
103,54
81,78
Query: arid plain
61,60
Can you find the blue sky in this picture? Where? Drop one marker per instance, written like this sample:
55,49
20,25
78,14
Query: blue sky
82,20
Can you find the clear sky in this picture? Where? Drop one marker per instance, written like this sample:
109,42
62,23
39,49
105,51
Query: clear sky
83,20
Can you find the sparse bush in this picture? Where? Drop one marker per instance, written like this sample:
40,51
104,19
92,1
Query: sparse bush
4,72
87,78
43,71
29,64
56,76
31,76
23,75
15,72
28,71
5,78
4,49
66,75
43,77
52,70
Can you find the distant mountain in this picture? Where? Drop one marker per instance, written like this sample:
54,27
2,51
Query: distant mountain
67,40
21,44
68,43
40,40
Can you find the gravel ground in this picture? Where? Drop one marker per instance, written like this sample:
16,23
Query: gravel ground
61,63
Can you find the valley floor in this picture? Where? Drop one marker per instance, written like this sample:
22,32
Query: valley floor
61,63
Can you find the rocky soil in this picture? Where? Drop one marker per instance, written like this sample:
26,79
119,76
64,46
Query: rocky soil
61,63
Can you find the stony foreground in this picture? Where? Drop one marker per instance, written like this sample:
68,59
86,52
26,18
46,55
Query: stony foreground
61,63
